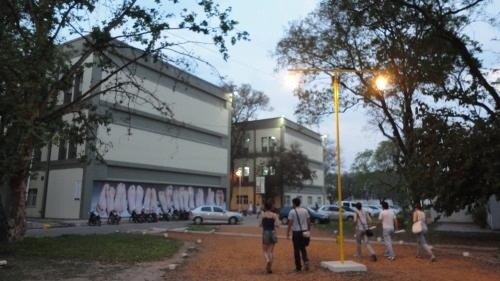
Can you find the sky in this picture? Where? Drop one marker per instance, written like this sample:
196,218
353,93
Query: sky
252,63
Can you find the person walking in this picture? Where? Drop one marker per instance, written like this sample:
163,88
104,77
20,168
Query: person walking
298,222
389,223
362,220
420,217
269,221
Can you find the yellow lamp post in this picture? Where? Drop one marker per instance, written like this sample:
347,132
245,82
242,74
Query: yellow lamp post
380,82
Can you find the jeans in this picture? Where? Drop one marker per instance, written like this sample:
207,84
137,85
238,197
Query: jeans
387,234
361,238
422,244
299,249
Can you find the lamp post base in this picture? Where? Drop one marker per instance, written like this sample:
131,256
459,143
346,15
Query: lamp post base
347,266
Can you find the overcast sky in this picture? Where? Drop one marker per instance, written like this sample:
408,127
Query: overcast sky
251,62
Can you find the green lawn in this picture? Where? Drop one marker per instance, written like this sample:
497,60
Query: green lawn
76,255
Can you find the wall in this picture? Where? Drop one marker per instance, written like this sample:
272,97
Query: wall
143,147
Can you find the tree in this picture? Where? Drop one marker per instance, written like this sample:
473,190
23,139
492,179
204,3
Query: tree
247,102
433,69
291,170
36,68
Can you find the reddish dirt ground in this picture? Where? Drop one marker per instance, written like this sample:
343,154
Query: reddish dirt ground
234,257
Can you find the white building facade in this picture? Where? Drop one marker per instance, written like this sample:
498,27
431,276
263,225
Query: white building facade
154,162
261,138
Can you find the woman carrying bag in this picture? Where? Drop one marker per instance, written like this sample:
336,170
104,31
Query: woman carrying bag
419,228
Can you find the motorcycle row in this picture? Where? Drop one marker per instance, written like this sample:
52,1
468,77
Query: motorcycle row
142,217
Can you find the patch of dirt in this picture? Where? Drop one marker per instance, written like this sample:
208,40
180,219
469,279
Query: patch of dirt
239,257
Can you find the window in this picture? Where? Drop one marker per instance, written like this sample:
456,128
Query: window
267,171
272,144
309,200
31,200
71,150
242,199
37,156
78,85
206,209
319,201
264,143
62,150
246,143
72,94
218,210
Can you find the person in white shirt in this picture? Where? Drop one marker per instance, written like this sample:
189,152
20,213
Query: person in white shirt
299,221
389,223
362,221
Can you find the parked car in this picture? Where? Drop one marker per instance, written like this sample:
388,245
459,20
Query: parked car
375,210
210,213
332,211
316,217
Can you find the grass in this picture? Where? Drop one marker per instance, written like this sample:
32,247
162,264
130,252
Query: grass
52,258
201,228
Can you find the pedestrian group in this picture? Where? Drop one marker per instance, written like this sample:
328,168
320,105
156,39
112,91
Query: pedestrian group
299,226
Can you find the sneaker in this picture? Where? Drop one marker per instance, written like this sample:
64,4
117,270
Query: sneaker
297,270
306,266
391,258
433,259
374,258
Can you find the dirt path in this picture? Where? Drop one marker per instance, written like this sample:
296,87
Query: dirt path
231,257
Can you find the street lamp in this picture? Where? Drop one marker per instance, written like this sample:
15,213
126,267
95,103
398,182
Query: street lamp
239,173
380,83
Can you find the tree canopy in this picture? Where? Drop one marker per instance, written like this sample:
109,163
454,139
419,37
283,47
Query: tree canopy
436,78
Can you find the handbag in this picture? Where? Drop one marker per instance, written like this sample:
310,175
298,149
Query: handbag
416,228
306,234
369,232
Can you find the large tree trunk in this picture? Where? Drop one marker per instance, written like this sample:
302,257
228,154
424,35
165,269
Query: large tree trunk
13,200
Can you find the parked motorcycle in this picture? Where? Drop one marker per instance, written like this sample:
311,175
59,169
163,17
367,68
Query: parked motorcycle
94,219
137,218
114,217
151,217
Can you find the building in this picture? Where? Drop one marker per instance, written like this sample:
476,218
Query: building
155,163
261,139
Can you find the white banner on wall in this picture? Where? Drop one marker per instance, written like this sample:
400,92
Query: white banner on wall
260,185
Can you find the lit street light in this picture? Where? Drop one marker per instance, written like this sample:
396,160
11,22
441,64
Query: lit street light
380,83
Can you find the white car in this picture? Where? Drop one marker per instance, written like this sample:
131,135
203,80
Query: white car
209,213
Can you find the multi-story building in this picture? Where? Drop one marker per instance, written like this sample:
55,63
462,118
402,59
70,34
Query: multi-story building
261,139
154,162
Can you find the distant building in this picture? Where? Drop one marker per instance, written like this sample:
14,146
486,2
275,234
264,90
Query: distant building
155,163
261,139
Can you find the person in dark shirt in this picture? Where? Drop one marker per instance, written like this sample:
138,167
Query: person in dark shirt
269,221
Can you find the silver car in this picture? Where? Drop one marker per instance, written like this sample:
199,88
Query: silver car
209,213
333,212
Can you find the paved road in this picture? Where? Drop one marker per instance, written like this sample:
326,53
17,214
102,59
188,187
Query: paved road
82,228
